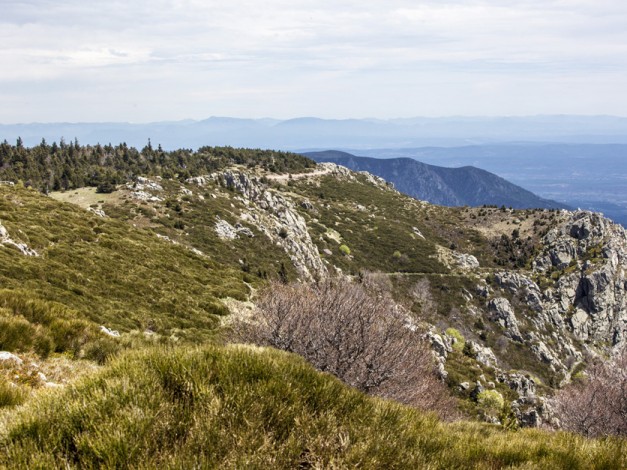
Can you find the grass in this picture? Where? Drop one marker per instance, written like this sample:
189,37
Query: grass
110,273
243,407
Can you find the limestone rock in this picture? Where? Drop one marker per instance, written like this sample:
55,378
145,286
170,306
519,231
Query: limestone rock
5,239
501,312
109,332
6,356
466,261
523,385
483,354
225,230
274,215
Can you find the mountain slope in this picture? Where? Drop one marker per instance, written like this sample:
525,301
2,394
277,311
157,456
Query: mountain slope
439,185
513,301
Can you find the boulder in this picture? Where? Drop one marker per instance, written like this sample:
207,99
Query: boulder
6,356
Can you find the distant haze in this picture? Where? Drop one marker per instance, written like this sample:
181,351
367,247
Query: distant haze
143,61
322,134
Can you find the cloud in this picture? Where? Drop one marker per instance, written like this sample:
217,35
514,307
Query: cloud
208,57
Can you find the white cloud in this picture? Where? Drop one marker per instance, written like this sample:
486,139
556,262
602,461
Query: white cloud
168,59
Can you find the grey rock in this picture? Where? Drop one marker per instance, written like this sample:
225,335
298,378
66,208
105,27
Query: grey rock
6,356
225,230
501,312
523,385
23,248
439,345
466,261
306,204
482,354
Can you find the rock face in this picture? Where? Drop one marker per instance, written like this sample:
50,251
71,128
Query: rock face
591,294
501,312
274,215
482,354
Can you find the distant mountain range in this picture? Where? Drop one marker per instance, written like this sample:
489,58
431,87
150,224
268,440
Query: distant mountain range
439,185
314,133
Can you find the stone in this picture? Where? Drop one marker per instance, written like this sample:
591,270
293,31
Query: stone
465,260
96,211
439,346
241,230
523,385
6,356
501,312
225,230
23,248
418,233
109,332
482,354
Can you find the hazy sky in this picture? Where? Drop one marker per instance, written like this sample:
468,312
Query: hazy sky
138,61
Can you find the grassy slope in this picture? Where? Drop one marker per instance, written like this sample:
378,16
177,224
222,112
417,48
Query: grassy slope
239,407
108,271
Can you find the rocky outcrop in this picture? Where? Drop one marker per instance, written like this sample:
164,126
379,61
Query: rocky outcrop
591,294
465,260
272,214
143,188
23,248
482,354
501,312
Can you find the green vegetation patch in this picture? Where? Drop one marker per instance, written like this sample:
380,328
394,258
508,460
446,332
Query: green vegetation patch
110,272
242,407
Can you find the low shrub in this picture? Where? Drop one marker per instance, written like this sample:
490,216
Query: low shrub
459,342
11,394
365,339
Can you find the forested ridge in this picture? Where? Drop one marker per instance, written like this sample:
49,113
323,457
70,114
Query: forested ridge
63,166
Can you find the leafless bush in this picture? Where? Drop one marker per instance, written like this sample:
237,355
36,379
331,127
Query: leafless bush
361,336
421,293
597,405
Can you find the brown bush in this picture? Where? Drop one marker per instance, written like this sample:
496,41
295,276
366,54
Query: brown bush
361,336
597,405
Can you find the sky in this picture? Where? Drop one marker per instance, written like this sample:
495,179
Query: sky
161,60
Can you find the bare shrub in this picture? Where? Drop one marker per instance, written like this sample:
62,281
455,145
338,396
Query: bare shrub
421,293
361,336
597,405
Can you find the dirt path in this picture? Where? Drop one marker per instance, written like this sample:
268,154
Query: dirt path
298,176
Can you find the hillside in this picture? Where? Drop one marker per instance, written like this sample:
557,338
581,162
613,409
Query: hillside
241,407
440,185
515,302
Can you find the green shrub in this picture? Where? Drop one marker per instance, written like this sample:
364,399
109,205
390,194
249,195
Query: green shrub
490,402
345,250
16,334
102,349
10,394
460,341
71,335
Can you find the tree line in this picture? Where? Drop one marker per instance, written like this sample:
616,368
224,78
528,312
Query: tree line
63,165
